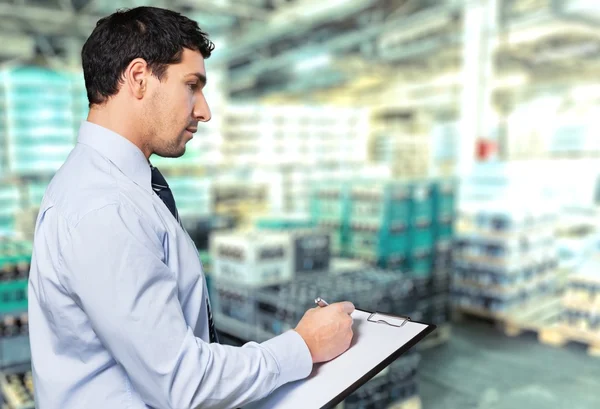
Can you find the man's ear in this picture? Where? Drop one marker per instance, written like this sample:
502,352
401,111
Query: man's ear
136,77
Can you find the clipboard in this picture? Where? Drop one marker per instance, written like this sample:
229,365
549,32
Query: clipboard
379,339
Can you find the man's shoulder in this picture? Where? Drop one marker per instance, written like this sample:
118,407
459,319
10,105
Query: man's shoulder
85,183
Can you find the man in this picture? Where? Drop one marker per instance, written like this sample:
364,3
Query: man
118,309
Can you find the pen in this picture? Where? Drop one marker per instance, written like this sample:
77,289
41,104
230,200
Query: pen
321,302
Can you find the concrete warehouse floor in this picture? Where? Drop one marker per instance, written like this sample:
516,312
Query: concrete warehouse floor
482,368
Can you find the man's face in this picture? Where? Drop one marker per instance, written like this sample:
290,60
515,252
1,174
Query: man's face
176,105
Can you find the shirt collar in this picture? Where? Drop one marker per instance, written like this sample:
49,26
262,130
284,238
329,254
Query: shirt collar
119,150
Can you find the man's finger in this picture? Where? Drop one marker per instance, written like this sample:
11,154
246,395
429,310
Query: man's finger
347,307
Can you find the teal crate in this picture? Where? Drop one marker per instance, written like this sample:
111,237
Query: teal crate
444,198
15,255
367,206
26,140
378,245
7,223
367,244
283,223
31,106
399,239
420,264
28,77
444,231
421,202
14,266
55,119
8,258
399,199
398,247
13,296
422,237
330,204
339,237
400,212
386,204
15,352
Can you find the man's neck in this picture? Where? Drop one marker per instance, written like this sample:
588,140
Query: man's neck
115,120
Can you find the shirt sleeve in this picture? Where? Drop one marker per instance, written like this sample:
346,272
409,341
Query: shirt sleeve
113,266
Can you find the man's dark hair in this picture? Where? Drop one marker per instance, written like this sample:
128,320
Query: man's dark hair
154,34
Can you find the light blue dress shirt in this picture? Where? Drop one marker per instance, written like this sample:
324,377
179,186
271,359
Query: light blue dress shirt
117,298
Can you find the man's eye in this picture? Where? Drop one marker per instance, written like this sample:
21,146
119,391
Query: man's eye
193,86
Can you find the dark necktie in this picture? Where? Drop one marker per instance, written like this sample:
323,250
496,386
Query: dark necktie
161,188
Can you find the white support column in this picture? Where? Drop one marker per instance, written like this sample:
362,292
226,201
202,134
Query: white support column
480,23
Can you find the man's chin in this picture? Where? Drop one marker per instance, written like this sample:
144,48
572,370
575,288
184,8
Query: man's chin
173,154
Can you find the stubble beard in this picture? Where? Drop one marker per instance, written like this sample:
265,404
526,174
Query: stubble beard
166,148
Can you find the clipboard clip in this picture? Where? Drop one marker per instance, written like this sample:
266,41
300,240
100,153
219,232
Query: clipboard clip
380,318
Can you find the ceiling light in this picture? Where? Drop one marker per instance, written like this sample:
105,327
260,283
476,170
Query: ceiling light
317,61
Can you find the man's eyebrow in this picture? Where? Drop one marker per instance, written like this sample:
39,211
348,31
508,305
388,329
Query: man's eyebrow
201,77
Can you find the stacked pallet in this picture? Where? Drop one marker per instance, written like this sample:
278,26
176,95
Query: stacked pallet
258,258
575,318
267,135
15,259
193,195
407,156
297,180
39,146
4,159
329,202
445,142
16,390
259,313
251,258
402,226
9,205
390,224
239,200
581,310
577,235
14,340
582,304
401,139
503,261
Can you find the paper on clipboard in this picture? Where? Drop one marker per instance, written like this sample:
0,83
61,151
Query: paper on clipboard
378,340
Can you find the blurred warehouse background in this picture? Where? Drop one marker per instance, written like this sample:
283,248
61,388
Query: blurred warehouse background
431,158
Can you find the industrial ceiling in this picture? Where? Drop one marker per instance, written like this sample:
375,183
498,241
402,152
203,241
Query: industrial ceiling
295,47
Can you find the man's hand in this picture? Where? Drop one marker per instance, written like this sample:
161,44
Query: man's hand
327,331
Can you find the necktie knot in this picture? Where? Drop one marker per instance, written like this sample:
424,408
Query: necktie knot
158,180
